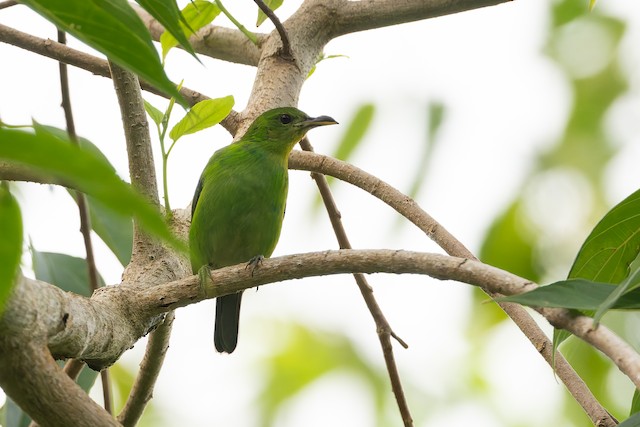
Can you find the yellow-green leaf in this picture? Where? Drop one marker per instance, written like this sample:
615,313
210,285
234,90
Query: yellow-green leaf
203,115
196,14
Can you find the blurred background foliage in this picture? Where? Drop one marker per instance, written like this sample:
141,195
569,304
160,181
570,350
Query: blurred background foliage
536,235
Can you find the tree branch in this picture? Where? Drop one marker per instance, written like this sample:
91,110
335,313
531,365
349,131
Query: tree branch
97,66
414,213
28,373
145,249
353,16
142,390
108,323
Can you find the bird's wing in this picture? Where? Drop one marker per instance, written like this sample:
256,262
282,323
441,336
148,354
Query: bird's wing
196,195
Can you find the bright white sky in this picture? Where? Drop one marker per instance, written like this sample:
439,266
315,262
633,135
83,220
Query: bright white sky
505,102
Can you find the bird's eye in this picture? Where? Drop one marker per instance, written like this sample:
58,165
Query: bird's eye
285,119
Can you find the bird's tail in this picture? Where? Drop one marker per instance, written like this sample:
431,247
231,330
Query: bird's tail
225,335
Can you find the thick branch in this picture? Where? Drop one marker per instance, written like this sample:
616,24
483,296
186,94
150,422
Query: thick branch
352,16
107,324
28,373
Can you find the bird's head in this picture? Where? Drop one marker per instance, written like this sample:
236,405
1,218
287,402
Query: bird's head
281,128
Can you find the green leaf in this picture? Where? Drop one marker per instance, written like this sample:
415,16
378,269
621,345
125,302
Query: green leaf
155,114
115,230
632,421
10,243
577,294
64,271
82,169
202,115
113,28
607,253
168,14
271,4
196,14
629,284
592,4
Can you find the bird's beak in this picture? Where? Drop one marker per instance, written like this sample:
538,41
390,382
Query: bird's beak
319,121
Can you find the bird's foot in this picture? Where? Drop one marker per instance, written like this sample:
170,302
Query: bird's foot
204,274
254,263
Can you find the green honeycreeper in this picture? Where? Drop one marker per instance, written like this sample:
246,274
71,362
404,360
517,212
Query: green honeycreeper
239,204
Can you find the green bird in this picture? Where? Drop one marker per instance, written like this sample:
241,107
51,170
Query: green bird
239,204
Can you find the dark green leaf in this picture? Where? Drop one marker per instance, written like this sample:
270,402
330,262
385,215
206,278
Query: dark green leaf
632,421
15,417
10,242
168,14
613,244
65,271
197,14
115,230
155,114
85,171
202,115
113,28
626,286
271,4
578,294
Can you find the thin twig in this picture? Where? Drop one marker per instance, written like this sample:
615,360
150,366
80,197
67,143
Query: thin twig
382,325
83,207
8,3
284,37
251,36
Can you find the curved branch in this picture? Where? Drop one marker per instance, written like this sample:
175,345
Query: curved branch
403,204
353,16
414,213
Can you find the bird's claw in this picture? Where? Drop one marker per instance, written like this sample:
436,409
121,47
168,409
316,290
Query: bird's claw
254,263
204,274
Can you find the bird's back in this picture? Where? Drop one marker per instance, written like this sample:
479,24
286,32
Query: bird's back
239,210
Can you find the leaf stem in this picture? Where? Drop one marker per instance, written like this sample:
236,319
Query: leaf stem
251,36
